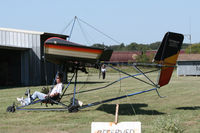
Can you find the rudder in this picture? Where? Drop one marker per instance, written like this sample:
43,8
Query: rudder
167,56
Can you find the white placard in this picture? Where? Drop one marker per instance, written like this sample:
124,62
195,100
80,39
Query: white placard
111,127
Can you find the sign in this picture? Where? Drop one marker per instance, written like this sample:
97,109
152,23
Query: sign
111,127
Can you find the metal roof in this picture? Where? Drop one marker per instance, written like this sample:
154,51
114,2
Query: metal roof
189,57
23,31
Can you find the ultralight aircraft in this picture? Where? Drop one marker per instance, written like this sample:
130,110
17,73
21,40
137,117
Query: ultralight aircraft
75,57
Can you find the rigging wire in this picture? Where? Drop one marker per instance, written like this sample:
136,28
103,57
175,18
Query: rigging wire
84,34
120,82
98,88
75,18
128,98
84,83
131,76
99,31
62,32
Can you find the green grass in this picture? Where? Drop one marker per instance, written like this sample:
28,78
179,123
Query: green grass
178,112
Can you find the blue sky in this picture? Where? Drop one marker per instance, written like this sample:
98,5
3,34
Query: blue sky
141,21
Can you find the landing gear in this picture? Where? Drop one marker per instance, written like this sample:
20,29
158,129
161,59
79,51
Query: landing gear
74,106
11,108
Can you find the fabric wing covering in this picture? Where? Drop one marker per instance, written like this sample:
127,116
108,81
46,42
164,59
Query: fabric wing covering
167,55
60,51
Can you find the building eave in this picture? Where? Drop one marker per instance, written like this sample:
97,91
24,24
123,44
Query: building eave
22,31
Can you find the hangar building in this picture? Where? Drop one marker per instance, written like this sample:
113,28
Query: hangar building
188,65
21,57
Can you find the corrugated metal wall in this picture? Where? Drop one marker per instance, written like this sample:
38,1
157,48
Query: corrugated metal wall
29,44
188,68
19,38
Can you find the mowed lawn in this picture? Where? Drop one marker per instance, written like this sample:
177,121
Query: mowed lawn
179,111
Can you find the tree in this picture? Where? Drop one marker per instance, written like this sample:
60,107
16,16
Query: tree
120,47
145,57
142,58
136,47
132,46
154,46
185,45
193,49
99,45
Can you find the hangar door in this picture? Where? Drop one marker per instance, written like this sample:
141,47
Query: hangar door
10,67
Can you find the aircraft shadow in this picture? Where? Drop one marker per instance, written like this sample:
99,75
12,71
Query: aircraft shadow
129,109
189,108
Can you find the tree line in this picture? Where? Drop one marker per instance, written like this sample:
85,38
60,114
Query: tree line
142,48
136,47
193,49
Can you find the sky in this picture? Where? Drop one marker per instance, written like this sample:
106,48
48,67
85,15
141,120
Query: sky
126,21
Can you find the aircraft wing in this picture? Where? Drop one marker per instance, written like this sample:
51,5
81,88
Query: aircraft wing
61,51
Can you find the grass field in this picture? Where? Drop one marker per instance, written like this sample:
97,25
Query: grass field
178,112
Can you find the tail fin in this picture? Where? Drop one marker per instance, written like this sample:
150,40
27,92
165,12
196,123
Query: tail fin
167,55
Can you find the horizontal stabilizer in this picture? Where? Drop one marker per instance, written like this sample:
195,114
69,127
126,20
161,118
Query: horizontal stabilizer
167,55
